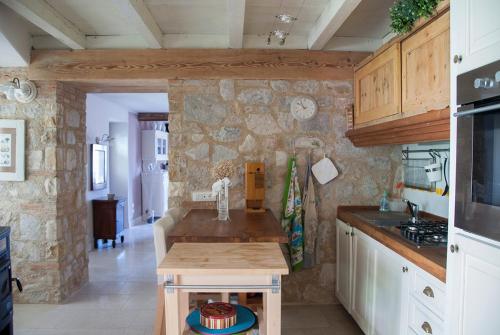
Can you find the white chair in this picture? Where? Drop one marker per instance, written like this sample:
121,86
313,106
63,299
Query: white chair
161,228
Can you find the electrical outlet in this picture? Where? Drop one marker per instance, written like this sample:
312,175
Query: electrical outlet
203,196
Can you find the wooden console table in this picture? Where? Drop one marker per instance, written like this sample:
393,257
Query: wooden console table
231,267
109,217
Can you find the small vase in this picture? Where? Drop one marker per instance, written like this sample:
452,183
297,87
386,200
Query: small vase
223,205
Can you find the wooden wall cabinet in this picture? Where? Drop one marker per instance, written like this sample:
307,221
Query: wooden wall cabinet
425,64
377,87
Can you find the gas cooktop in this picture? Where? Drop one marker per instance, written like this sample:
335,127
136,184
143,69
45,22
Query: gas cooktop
429,233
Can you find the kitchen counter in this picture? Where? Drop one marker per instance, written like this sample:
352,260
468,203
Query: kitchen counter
430,259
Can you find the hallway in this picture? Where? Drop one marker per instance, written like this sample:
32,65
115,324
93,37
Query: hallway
120,298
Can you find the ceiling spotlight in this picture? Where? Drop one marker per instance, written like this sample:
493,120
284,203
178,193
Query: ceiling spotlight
286,18
23,91
280,34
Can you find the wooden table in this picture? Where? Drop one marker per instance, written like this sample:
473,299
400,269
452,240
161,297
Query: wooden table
199,226
230,267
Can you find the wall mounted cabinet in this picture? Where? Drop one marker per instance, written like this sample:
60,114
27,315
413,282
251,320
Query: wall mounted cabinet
477,24
154,145
426,68
405,78
378,87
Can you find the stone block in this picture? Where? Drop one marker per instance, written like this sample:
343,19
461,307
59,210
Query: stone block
248,144
262,124
226,89
73,119
198,152
226,134
222,153
35,159
320,123
256,96
306,86
280,85
204,109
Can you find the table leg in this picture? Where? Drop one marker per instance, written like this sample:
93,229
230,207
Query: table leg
272,312
242,298
172,314
183,309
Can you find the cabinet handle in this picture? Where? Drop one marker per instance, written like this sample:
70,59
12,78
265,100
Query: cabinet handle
405,269
352,233
457,59
347,233
429,292
427,327
454,248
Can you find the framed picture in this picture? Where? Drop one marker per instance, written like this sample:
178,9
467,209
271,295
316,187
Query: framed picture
11,150
99,167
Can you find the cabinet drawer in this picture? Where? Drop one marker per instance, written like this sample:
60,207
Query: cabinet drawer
429,291
422,321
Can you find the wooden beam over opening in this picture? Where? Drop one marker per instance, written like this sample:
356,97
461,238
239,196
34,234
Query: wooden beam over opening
139,15
333,16
152,116
96,65
236,22
46,18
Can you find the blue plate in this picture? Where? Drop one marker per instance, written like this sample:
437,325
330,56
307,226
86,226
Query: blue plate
245,320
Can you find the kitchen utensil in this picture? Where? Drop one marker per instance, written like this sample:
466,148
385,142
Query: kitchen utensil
447,187
324,170
433,171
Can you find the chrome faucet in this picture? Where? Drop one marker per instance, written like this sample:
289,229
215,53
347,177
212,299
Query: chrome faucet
413,208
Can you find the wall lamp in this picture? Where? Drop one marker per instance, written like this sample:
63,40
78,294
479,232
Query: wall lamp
21,90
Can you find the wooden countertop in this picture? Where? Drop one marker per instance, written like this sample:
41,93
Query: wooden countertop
225,259
430,259
199,225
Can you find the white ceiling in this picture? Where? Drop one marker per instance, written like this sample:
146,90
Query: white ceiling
138,102
358,25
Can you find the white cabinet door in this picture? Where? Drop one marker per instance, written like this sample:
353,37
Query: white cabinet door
476,276
344,254
475,26
363,282
391,279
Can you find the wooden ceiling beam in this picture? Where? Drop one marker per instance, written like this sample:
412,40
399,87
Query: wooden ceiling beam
136,12
333,16
236,22
41,14
152,116
92,65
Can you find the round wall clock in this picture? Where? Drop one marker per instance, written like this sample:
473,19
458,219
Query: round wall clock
303,108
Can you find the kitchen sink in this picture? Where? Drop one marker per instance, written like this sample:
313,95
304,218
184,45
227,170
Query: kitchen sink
383,219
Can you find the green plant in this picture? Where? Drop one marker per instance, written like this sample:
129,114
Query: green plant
404,13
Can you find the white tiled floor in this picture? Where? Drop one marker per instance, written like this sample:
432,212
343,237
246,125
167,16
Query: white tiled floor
120,299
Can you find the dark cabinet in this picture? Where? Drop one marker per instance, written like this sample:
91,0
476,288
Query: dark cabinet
109,216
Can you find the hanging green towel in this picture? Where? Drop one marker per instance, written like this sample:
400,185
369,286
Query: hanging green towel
292,216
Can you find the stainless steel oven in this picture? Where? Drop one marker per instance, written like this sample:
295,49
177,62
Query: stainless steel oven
477,207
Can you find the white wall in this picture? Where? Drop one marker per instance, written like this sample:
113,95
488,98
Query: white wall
118,154
99,114
431,202
134,170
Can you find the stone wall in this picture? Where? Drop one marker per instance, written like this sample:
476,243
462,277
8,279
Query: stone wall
44,224
249,120
71,187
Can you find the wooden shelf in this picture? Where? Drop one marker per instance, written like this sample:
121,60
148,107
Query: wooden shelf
428,127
